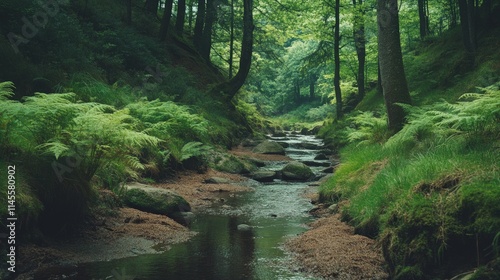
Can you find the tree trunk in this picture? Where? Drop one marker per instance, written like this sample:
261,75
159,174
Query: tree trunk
231,87
198,26
165,21
231,40
312,83
360,43
380,90
453,13
151,6
210,18
394,82
181,16
190,15
423,15
468,25
336,54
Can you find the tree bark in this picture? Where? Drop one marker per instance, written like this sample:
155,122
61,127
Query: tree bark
210,18
231,87
468,24
165,21
336,54
312,84
360,43
181,16
151,6
198,26
394,82
231,40
423,15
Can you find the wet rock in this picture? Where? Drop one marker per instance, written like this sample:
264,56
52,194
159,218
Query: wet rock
269,147
279,134
328,170
283,144
154,200
217,180
257,162
316,163
244,227
264,176
297,171
309,146
321,157
234,165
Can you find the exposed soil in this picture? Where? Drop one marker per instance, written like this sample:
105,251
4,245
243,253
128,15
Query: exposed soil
128,232
331,250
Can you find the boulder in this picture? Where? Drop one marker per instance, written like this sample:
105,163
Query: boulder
297,171
154,200
264,176
321,157
234,165
269,147
284,144
279,134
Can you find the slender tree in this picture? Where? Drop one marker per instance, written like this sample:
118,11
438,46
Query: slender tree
423,15
336,54
206,37
394,82
467,9
231,87
199,23
360,44
181,16
165,21
231,39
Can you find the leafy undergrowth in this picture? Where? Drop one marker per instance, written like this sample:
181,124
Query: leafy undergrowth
429,193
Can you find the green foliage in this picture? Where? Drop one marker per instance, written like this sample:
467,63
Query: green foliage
440,172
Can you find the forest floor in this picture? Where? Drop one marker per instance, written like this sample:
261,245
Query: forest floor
330,249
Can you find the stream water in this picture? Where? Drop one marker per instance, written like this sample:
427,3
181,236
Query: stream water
275,212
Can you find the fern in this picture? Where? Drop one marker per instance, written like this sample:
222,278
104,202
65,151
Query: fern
193,149
6,90
367,129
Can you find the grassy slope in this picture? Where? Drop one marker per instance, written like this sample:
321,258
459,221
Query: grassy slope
427,199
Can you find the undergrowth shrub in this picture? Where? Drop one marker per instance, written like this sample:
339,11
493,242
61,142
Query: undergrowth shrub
439,173
66,145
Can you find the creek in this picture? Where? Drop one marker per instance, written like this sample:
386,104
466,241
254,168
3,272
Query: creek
275,212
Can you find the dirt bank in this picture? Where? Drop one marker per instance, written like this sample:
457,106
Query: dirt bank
331,250
128,232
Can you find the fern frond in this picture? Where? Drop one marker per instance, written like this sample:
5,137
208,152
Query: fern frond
193,149
55,148
6,90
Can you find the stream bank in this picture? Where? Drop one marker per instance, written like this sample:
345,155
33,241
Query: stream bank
239,235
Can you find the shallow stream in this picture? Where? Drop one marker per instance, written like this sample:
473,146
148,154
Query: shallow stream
274,211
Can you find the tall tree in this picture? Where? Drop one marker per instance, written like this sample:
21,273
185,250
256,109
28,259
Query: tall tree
394,82
206,37
360,44
231,87
231,39
467,10
181,16
165,21
198,26
423,15
336,54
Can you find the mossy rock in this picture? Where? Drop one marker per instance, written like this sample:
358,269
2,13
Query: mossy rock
269,147
264,176
154,200
297,171
234,165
